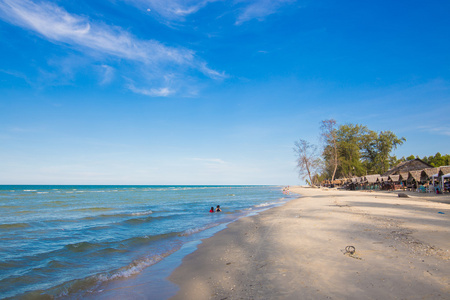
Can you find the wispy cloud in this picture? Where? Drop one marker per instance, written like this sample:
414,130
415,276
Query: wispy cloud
178,10
153,92
259,9
16,74
107,74
172,9
57,25
440,130
210,160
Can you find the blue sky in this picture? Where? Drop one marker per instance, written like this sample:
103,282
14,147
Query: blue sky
212,91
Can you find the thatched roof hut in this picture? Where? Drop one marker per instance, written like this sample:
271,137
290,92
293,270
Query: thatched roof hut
406,166
355,179
382,179
394,178
403,176
444,170
371,178
428,172
415,175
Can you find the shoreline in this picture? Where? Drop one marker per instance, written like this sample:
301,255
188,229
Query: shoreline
151,282
298,250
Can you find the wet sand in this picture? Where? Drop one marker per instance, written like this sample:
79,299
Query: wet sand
298,250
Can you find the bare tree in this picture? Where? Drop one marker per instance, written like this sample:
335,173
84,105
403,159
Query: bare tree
331,145
307,159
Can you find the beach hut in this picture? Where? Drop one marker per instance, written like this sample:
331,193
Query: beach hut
444,170
394,178
382,183
370,181
354,183
383,179
406,166
403,178
414,179
445,182
393,182
444,176
428,173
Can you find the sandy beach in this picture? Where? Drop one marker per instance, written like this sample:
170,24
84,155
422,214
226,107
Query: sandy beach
301,250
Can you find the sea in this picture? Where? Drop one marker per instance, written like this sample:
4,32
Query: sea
63,241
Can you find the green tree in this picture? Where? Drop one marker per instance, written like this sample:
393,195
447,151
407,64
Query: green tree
329,135
377,148
349,137
439,160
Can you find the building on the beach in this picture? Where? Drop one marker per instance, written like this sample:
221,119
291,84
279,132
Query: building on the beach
428,173
444,170
370,182
414,179
420,177
403,178
406,166
394,178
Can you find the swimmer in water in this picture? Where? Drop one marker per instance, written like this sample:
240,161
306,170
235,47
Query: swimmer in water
211,210
218,208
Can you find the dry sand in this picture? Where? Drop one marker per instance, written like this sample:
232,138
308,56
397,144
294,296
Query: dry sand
297,251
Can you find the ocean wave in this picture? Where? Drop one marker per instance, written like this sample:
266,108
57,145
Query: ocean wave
78,288
142,213
117,215
14,225
197,229
92,209
144,240
82,246
135,221
139,220
266,204
136,267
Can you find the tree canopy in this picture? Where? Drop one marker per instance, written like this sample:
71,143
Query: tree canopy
437,160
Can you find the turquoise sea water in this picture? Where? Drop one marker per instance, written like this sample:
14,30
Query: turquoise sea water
61,241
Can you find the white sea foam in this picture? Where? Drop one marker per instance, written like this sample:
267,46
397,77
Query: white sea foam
136,267
197,229
142,213
265,204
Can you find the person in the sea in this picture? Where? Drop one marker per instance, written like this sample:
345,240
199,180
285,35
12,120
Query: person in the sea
211,210
218,208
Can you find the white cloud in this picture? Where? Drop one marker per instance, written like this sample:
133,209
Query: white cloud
172,9
440,130
153,92
177,10
107,73
57,25
211,160
259,9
